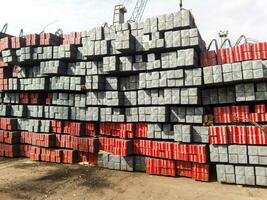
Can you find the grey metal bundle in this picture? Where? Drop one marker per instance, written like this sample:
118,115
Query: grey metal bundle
80,100
238,154
245,92
63,99
56,112
160,131
153,114
129,83
35,111
219,153
126,63
245,175
113,98
13,84
53,67
95,82
219,95
261,176
110,64
189,115
30,84
4,110
130,98
171,78
11,98
261,91
112,115
94,98
140,163
84,114
110,161
18,111
226,173
112,83
257,155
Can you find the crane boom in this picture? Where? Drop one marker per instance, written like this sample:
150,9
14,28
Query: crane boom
138,10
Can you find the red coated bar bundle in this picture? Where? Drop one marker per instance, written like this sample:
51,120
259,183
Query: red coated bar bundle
31,98
48,99
90,129
3,84
230,114
256,135
7,150
184,169
160,167
9,137
38,139
18,42
12,43
260,108
69,156
64,141
253,135
56,126
242,53
2,63
32,40
225,55
240,113
190,152
73,38
48,154
121,130
73,128
259,50
218,135
141,130
8,124
222,114
58,156
199,172
5,43
85,144
153,148
49,39
237,134
51,155
35,153
25,150
91,158
260,114
116,146
238,53
208,58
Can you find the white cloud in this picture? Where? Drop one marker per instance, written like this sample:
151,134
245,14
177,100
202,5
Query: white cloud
239,16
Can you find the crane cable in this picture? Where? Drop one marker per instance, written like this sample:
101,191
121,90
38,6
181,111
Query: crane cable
123,2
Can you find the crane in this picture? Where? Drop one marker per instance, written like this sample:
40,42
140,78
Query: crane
137,13
181,4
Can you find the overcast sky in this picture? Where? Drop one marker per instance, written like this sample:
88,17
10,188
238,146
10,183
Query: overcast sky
237,16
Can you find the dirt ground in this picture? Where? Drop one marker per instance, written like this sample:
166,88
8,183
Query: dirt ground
25,179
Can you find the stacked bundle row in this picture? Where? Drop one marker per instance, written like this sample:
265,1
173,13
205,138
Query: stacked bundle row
126,97
140,96
235,91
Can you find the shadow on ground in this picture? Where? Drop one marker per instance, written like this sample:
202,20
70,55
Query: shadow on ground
61,177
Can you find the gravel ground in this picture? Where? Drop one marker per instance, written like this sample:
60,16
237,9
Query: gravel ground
25,179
